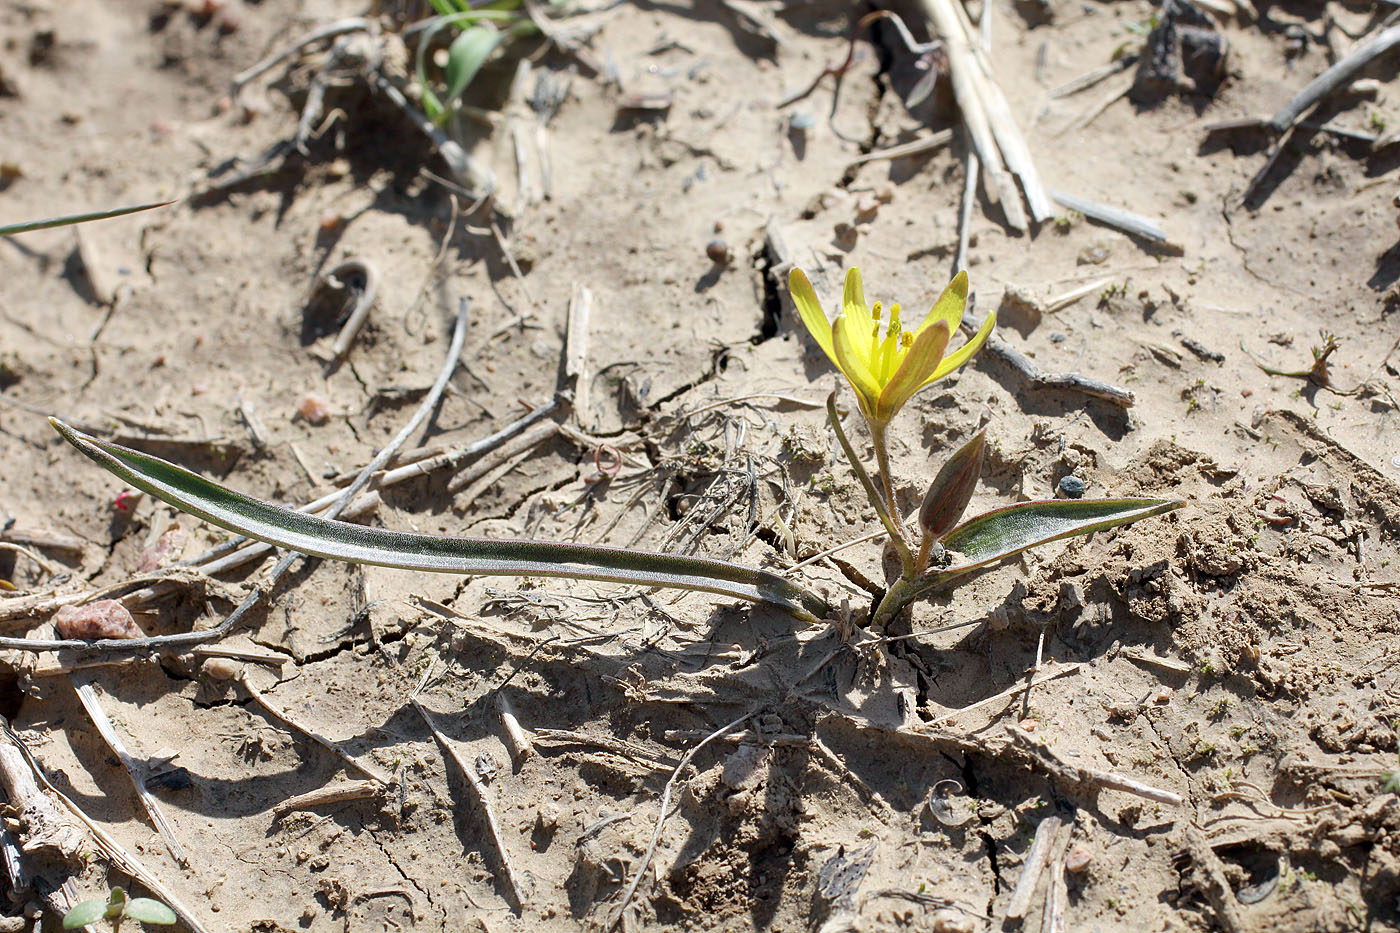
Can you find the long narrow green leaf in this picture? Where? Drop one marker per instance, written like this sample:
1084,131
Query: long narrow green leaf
25,227
1001,533
411,551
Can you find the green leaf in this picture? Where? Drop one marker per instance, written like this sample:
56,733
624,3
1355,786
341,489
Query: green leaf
951,491
1001,533
439,554
149,911
26,226
465,57
85,913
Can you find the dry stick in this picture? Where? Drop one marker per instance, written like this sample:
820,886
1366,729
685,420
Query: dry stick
47,826
1076,776
1089,79
1365,52
113,850
1004,695
1070,297
1032,868
46,539
340,500
1052,918
99,718
576,350
44,563
521,747
360,313
871,536
1213,882
328,31
248,413
26,607
261,699
927,144
1008,134
1039,379
1114,94
971,172
1114,217
340,792
480,475
483,799
965,69
661,817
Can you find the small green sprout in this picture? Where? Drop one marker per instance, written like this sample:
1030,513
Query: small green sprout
115,909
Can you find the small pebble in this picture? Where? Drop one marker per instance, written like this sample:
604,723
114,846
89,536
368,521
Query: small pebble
314,408
1078,858
718,251
846,236
221,668
1058,337
1072,487
866,209
103,618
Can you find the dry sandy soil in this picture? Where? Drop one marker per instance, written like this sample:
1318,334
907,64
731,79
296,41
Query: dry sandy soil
1238,653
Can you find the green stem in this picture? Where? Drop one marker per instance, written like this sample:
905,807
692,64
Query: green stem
925,554
882,459
900,594
889,519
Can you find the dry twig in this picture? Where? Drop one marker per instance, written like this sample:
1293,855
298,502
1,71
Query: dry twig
483,799
641,869
1073,775
1032,868
282,715
88,696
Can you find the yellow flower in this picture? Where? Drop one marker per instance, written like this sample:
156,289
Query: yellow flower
886,364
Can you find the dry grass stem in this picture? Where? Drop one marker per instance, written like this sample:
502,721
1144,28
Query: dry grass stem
88,696
330,745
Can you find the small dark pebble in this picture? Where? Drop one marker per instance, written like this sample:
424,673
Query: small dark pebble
1072,487
1202,351
1058,338
718,251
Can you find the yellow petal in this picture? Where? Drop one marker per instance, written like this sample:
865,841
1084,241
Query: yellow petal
949,306
852,364
810,309
921,360
853,303
964,352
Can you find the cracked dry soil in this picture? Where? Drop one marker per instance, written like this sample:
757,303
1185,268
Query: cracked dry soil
1239,653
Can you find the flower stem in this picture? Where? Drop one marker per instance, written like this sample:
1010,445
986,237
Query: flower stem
881,503
882,459
900,594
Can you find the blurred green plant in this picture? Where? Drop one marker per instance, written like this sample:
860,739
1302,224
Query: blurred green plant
481,30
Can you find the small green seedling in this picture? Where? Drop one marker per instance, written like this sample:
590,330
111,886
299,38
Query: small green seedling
483,29
116,909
